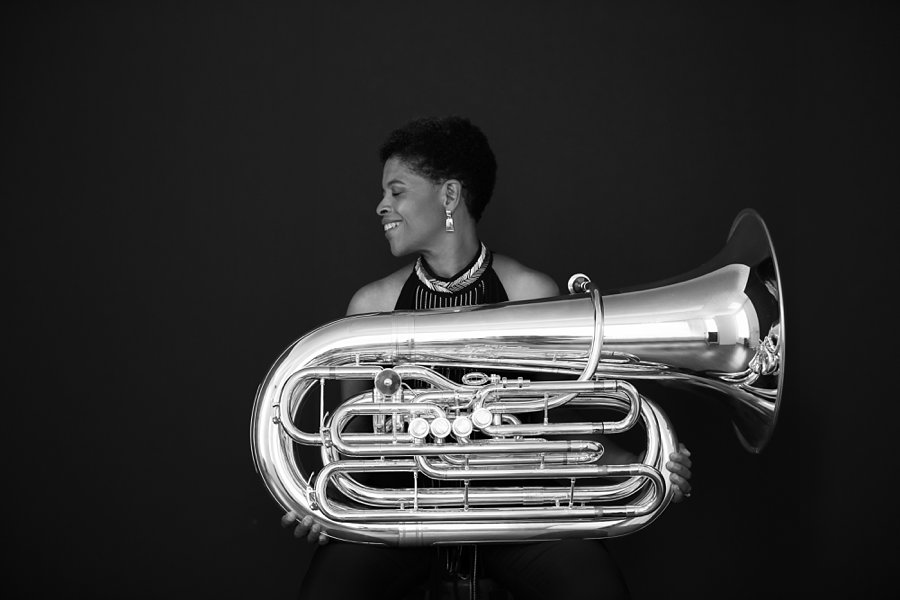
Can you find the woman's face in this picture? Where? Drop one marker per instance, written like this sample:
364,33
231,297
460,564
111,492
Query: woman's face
410,209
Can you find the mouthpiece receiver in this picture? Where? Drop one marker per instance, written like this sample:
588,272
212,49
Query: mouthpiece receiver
578,283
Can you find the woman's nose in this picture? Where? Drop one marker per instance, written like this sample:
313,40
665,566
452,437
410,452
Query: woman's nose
384,207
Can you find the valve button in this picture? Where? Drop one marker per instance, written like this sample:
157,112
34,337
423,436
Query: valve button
482,417
418,428
462,426
440,428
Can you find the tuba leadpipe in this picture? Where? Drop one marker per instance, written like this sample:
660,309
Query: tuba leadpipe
478,470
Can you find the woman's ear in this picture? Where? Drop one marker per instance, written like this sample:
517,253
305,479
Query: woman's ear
451,194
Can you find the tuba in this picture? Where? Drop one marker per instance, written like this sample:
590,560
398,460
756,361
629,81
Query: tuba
487,458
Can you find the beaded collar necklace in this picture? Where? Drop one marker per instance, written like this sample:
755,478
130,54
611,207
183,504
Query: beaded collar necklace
459,283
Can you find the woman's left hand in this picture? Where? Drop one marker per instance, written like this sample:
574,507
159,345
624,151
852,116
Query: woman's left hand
680,466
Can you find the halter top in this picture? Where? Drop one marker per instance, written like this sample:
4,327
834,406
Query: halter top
476,283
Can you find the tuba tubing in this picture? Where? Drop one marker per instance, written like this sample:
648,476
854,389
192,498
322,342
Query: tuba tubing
718,329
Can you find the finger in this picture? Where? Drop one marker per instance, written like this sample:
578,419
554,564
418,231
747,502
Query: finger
314,532
323,539
679,468
681,482
682,470
681,459
683,486
302,528
683,449
678,497
288,519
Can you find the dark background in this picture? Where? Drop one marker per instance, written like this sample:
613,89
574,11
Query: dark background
189,187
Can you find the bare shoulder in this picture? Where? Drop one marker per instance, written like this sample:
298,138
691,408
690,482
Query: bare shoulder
380,295
521,282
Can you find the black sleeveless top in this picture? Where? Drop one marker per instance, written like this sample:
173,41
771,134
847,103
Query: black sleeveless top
476,283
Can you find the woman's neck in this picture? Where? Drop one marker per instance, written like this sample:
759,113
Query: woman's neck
454,253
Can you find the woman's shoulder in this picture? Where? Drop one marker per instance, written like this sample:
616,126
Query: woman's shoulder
521,282
381,294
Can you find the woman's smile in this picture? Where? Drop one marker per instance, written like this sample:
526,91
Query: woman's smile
411,212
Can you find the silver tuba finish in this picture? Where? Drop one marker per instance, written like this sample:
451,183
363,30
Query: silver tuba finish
719,328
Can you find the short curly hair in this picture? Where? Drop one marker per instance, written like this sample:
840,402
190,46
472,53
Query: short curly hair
442,148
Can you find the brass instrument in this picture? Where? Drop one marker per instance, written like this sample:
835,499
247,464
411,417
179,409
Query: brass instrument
718,328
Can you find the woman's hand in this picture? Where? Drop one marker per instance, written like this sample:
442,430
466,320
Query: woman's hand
680,466
305,528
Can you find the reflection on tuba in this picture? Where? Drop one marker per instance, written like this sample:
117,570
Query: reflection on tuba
487,459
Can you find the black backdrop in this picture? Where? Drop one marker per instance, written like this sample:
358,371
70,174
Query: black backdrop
191,186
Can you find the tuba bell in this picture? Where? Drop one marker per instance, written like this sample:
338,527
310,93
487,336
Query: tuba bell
486,459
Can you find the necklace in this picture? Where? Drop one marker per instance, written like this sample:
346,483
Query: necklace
448,287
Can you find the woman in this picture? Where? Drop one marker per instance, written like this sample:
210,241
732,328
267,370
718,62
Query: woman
438,176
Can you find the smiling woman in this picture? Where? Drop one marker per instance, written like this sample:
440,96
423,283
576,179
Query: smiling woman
412,210
438,177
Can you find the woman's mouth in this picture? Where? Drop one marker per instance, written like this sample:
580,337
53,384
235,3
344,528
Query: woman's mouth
391,225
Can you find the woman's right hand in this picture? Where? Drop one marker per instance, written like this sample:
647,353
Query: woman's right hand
305,528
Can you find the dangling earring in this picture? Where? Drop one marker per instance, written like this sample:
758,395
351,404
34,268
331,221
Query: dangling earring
448,224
